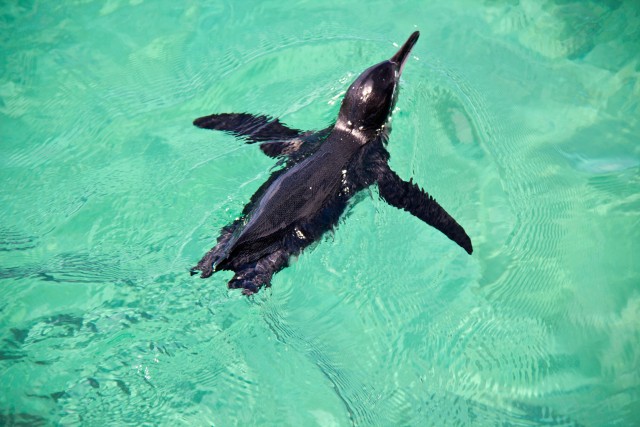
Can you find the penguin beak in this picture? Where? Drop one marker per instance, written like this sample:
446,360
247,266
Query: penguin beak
400,58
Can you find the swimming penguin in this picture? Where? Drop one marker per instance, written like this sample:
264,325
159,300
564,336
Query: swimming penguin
321,172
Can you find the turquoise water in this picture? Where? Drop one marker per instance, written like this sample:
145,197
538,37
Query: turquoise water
520,117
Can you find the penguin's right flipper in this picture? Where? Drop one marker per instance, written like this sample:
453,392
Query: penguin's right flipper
275,138
411,198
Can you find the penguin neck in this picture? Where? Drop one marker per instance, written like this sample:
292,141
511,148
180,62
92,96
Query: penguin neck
344,141
344,128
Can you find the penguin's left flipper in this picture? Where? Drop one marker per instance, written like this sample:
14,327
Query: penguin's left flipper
275,138
411,198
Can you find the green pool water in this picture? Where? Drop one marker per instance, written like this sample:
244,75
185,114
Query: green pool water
521,117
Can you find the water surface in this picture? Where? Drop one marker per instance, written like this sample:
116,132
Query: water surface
520,117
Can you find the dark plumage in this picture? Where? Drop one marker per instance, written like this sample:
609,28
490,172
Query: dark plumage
321,172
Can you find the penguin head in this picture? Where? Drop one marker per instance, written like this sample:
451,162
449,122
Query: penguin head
370,99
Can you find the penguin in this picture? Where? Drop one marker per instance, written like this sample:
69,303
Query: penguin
320,172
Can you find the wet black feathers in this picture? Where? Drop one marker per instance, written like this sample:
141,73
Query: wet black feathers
411,198
275,138
247,126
